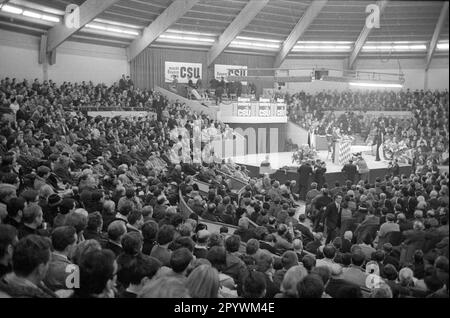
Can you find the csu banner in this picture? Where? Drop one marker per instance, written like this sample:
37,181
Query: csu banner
244,107
182,71
221,70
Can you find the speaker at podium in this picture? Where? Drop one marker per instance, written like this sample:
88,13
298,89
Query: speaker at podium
265,167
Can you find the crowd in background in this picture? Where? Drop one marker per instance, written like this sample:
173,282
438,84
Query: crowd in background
101,196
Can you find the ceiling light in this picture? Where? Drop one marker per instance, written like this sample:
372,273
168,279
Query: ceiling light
50,18
257,39
130,32
442,46
253,44
190,32
32,14
322,47
95,26
386,85
132,26
325,42
186,38
11,9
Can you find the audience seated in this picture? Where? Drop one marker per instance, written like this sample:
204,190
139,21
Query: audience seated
118,199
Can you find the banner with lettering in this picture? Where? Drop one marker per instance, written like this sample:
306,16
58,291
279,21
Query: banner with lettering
264,107
182,71
221,70
281,107
244,107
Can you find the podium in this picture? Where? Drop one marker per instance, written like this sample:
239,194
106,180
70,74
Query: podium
264,168
343,151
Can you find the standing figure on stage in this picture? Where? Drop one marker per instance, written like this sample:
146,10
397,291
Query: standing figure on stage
335,137
378,141
304,171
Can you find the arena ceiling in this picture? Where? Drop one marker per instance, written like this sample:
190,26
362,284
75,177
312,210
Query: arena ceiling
412,21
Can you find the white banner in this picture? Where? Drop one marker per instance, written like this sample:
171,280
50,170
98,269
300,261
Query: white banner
221,70
182,71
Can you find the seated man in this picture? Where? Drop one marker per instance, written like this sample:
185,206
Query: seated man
30,258
64,239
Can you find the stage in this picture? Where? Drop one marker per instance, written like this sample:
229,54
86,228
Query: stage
279,160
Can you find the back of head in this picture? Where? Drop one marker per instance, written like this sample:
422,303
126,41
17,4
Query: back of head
252,246
165,234
94,221
310,287
358,258
8,238
132,243
233,243
297,244
309,262
62,237
382,291
116,230
323,272
293,276
142,266
30,252
254,285
203,282
77,220
30,213
164,287
289,259
329,251
96,269
217,256
180,259
15,205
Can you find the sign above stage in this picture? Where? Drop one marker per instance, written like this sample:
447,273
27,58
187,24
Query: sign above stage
246,110
182,71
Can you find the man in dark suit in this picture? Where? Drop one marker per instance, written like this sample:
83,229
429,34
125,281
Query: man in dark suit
350,171
332,218
304,171
116,230
64,239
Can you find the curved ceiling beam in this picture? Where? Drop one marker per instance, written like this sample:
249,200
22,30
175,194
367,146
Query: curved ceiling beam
89,10
176,10
363,36
239,23
302,25
436,34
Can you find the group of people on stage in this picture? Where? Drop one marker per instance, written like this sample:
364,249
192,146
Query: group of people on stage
420,136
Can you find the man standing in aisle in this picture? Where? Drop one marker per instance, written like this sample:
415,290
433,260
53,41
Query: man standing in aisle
332,218
350,171
304,172
363,169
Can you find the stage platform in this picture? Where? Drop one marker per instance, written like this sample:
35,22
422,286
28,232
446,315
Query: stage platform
282,159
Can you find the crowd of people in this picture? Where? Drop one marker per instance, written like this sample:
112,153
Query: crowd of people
90,207
411,139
